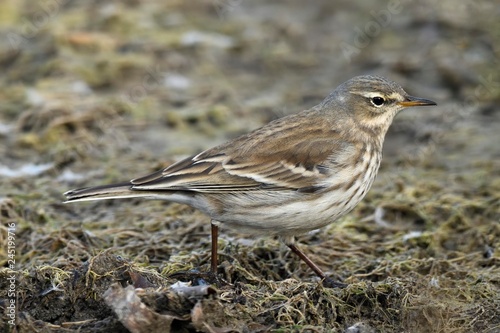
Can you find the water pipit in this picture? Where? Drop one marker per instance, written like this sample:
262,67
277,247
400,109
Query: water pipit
296,174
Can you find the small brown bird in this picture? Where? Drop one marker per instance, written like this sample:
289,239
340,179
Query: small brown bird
296,174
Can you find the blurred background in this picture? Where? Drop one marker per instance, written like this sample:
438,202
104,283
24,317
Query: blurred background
94,92
83,80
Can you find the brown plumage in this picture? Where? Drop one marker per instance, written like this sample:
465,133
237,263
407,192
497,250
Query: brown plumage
296,174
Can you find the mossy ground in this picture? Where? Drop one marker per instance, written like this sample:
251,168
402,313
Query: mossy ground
93,93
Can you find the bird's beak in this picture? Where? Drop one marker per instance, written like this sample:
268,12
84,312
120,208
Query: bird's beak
416,101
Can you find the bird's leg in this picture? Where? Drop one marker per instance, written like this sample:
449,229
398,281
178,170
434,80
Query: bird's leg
308,261
201,277
215,235
327,282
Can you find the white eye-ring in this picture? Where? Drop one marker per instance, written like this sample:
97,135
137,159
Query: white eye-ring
377,101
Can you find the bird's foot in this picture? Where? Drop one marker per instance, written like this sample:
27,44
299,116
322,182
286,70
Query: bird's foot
198,278
331,283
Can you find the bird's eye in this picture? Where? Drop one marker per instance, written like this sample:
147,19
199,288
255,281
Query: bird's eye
378,101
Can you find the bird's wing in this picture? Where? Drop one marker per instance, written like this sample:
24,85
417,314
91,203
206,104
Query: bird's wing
196,175
274,157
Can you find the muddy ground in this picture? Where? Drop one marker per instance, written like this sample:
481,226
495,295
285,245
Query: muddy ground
93,92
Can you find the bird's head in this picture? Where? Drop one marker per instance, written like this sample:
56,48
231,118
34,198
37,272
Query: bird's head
372,102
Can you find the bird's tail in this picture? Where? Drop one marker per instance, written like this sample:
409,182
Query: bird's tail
113,191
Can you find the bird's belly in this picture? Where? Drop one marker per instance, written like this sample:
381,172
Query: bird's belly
285,214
